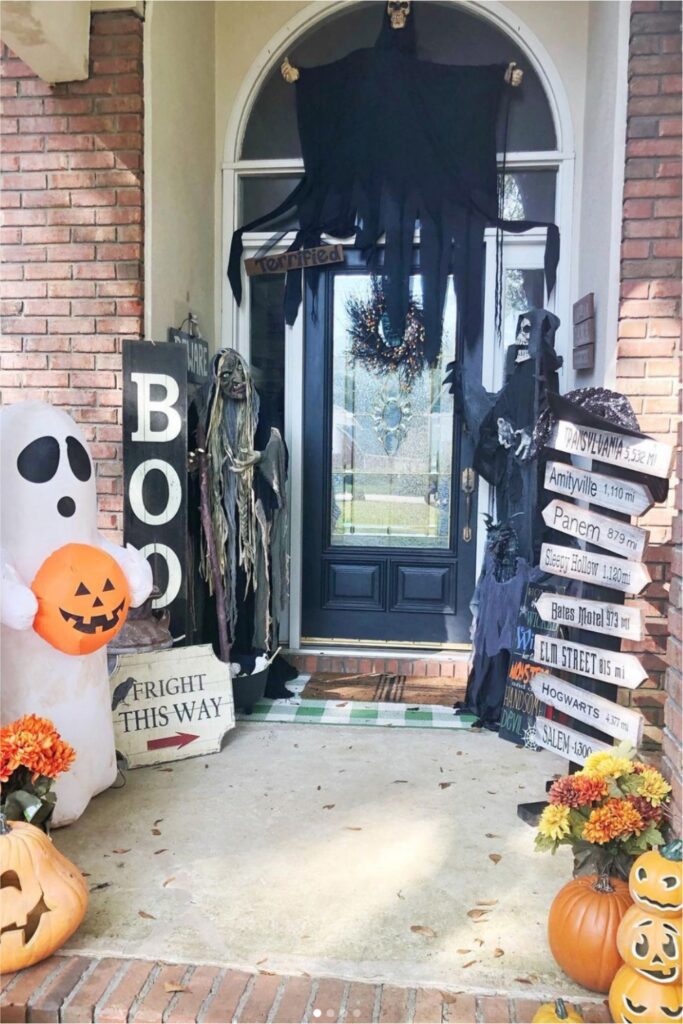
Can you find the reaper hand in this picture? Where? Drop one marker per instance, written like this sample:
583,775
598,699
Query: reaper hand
289,72
506,435
522,451
513,75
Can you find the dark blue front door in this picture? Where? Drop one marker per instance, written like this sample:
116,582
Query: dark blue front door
384,557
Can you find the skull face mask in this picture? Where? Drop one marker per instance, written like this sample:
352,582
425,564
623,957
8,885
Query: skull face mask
232,377
398,11
522,339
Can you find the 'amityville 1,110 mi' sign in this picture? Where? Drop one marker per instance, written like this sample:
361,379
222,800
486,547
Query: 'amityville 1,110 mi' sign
624,496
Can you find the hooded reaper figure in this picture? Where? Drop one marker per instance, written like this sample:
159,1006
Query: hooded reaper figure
391,142
248,503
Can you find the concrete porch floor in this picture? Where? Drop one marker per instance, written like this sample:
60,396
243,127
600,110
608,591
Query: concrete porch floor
331,851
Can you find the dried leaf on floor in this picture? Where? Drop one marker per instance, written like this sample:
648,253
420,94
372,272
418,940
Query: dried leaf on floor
164,769
495,857
397,781
486,903
147,917
328,807
492,835
168,881
262,961
158,821
353,828
498,952
491,792
99,885
477,913
463,951
423,929
469,964
170,987
479,942
445,785
523,981
121,850
156,832
163,850
450,997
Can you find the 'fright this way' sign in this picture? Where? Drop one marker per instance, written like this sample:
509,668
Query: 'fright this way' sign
169,705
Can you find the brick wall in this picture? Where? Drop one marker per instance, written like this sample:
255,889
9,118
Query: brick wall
72,276
649,328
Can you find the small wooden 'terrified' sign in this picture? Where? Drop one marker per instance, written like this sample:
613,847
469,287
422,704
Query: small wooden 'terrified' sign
320,256
169,705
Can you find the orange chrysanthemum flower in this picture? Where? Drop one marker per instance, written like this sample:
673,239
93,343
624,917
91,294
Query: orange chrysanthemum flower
33,743
613,820
576,790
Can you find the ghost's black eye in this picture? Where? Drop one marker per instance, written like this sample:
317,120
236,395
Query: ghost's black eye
39,460
82,589
79,460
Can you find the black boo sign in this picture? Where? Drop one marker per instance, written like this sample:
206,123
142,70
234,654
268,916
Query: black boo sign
155,468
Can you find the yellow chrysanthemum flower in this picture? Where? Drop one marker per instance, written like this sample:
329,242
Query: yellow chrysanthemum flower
653,786
554,823
604,765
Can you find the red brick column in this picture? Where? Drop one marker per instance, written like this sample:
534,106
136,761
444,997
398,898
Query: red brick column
649,350
72,277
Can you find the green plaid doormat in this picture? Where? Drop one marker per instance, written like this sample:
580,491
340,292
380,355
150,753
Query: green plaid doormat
332,712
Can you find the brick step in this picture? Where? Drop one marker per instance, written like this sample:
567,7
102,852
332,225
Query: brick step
451,665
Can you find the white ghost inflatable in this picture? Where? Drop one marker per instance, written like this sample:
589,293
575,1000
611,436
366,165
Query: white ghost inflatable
48,501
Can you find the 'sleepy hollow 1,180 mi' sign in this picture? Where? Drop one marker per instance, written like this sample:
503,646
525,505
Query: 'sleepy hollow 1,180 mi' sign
603,531
155,467
642,454
594,662
169,705
591,567
583,706
608,491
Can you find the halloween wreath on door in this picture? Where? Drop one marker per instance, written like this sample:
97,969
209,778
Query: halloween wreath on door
376,346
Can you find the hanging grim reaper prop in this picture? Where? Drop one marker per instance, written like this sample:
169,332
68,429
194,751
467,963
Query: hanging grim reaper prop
390,143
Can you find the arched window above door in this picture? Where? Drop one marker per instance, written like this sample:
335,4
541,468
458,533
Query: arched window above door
447,34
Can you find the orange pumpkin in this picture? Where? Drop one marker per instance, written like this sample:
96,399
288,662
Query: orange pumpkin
656,880
634,999
650,944
582,929
83,599
44,897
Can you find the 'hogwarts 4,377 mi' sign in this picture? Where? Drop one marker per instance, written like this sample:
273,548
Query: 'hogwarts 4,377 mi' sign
169,705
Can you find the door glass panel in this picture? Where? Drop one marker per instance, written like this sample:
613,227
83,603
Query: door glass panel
524,289
267,335
392,444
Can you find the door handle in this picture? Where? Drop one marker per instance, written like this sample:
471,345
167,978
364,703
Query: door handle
468,481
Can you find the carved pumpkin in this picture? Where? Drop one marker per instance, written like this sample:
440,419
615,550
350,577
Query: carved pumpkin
83,599
650,944
552,1013
634,999
655,880
43,896
582,929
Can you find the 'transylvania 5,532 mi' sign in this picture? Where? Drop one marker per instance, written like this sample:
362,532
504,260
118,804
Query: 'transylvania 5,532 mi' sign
170,705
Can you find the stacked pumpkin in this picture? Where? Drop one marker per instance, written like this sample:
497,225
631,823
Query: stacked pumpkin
648,987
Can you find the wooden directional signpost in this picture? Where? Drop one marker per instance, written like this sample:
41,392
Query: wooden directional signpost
596,616
608,666
607,491
592,567
566,742
603,531
623,723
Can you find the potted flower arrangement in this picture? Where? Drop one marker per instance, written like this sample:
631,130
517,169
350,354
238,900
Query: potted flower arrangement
609,813
32,755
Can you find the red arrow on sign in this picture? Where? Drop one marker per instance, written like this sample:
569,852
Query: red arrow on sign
181,739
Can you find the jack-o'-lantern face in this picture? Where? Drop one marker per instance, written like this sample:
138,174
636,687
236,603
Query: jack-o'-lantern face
655,881
634,999
83,599
650,944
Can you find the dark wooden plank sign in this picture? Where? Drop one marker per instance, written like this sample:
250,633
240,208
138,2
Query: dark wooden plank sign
155,467
319,256
584,333
170,705
520,705
584,308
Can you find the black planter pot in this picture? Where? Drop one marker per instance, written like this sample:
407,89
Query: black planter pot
249,690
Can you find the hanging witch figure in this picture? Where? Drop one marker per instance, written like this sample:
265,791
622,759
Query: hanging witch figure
248,506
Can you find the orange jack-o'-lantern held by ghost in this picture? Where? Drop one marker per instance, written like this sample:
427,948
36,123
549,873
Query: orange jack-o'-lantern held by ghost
83,599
